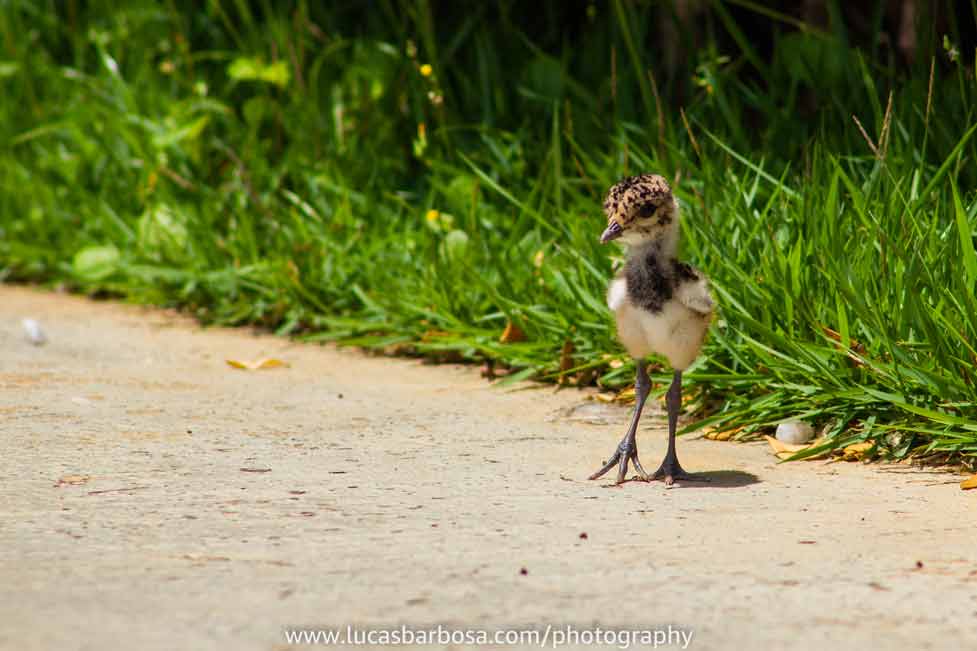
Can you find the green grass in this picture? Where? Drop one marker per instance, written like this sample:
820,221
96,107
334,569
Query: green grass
293,167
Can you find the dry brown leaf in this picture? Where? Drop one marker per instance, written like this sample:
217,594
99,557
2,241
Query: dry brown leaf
566,356
293,271
265,362
73,480
836,336
398,350
854,348
586,377
967,484
432,334
512,334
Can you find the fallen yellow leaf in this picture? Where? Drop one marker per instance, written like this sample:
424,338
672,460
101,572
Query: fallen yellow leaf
265,362
714,434
967,484
856,451
723,436
780,447
73,480
626,395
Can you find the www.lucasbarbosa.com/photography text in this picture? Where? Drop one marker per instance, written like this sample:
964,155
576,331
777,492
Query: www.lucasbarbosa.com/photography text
548,637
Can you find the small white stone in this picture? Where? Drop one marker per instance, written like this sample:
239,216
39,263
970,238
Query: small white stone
795,432
34,333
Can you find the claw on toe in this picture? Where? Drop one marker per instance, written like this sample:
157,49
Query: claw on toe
670,473
621,459
642,475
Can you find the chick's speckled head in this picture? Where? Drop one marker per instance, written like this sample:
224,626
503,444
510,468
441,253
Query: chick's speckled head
640,208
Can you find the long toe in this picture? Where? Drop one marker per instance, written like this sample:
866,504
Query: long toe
670,472
642,475
624,455
607,466
622,469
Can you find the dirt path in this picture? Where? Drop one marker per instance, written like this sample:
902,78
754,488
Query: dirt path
154,498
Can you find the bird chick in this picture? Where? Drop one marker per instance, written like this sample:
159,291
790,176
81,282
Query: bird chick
660,305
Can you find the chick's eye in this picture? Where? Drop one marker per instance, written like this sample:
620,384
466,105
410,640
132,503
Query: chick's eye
646,211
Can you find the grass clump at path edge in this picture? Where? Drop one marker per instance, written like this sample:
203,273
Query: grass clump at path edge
423,175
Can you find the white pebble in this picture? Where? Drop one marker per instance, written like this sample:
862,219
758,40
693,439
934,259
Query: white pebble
795,432
34,333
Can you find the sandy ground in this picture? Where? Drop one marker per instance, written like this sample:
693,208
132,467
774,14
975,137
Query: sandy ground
154,498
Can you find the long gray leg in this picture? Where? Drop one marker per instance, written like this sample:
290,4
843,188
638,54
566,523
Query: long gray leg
670,470
627,449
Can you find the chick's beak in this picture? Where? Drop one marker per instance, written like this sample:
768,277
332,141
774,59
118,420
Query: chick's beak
612,232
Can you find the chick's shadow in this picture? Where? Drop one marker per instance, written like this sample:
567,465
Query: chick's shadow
720,479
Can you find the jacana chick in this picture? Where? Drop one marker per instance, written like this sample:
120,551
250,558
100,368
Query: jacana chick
661,305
